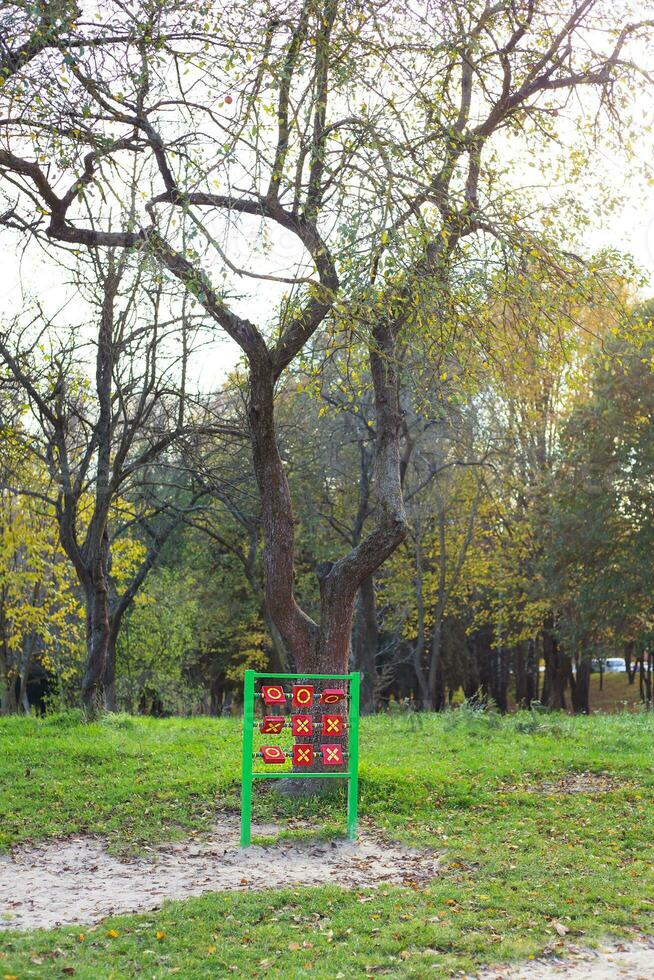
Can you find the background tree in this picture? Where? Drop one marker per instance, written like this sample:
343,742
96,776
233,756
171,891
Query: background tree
98,441
40,616
598,531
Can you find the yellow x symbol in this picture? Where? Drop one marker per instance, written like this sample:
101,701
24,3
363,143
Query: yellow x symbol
332,725
332,754
302,726
302,755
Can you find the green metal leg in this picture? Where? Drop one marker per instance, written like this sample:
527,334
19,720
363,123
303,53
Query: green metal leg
353,747
246,764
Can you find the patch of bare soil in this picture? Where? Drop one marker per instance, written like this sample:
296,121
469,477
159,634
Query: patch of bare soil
616,961
574,782
77,881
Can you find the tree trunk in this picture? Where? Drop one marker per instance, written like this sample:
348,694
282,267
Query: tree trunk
24,672
324,648
500,678
109,678
366,642
471,682
483,652
97,631
520,658
628,659
226,709
281,659
526,673
298,632
435,679
8,702
580,686
419,648
436,689
531,692
645,679
557,670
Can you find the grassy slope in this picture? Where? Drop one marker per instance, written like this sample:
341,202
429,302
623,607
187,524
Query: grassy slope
515,862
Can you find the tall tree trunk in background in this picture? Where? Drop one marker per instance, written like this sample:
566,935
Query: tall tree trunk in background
645,679
483,652
472,680
532,672
580,685
366,643
435,680
97,628
26,659
109,677
419,648
628,650
8,702
520,655
557,669
500,678
526,674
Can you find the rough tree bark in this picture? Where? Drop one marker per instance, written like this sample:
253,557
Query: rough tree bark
324,647
580,685
628,649
97,627
557,669
366,643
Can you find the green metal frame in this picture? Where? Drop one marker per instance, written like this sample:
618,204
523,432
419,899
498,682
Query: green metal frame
352,774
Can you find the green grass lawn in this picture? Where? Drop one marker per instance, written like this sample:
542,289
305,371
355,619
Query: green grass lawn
519,866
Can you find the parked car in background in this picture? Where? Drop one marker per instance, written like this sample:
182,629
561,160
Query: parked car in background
615,665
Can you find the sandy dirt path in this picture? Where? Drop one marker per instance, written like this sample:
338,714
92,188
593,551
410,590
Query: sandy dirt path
77,881
614,961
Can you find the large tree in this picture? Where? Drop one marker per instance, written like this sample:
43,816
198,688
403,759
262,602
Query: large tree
360,140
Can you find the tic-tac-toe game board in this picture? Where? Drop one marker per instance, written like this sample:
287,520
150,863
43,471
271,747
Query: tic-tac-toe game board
300,726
